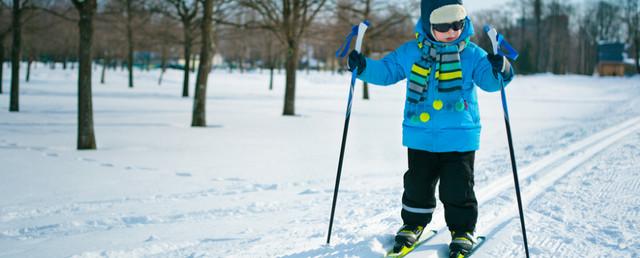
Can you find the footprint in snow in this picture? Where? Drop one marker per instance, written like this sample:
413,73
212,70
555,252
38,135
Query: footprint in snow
139,168
309,191
86,159
183,174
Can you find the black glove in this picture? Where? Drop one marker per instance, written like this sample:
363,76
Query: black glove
356,61
501,65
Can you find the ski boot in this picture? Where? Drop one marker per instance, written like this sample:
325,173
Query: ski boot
406,238
462,244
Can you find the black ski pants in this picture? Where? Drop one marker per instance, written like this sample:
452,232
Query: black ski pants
454,170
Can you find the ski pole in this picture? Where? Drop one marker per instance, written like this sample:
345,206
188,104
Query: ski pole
357,31
499,43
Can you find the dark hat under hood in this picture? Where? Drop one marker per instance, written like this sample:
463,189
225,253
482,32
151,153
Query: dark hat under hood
441,11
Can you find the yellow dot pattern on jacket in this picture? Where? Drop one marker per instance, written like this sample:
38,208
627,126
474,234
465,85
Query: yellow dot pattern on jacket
425,117
437,104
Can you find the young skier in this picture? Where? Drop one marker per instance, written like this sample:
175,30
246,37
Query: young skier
441,126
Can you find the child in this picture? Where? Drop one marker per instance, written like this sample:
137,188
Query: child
441,126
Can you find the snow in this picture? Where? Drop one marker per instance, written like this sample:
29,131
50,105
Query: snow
255,183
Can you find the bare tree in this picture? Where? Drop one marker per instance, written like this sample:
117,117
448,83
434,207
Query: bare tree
271,56
130,15
2,39
288,20
16,48
104,49
108,44
558,45
383,14
537,14
206,53
4,31
186,14
632,18
32,30
164,32
523,4
608,19
86,135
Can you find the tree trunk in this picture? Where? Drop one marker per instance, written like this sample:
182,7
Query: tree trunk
14,105
163,61
537,9
271,68
523,26
365,85
270,62
105,63
193,64
290,84
29,62
636,44
187,56
365,90
308,61
367,52
332,65
86,135
199,103
1,62
129,43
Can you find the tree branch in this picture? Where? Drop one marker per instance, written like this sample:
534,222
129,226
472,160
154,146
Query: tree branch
63,16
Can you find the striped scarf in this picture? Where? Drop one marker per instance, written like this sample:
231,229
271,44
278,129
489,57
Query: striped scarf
442,58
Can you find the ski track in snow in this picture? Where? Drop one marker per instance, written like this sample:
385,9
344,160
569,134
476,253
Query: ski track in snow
240,187
366,217
542,183
535,179
351,243
52,153
565,221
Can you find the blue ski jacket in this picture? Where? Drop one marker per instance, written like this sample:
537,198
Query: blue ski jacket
446,129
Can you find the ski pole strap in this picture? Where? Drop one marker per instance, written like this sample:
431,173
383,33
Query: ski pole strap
342,51
504,45
500,44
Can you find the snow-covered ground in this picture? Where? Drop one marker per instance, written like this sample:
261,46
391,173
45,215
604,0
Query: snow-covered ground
258,184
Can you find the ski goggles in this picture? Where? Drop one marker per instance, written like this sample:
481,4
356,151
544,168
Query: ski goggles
444,27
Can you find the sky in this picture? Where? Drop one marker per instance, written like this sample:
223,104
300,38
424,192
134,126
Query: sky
476,5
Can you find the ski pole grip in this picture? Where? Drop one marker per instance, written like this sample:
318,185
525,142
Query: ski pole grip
362,28
500,44
493,36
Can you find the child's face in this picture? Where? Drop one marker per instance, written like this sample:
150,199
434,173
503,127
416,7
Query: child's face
448,36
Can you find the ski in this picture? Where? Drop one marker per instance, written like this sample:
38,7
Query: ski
426,236
480,241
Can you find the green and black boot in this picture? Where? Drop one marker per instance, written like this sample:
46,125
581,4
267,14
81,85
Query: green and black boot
461,244
406,238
